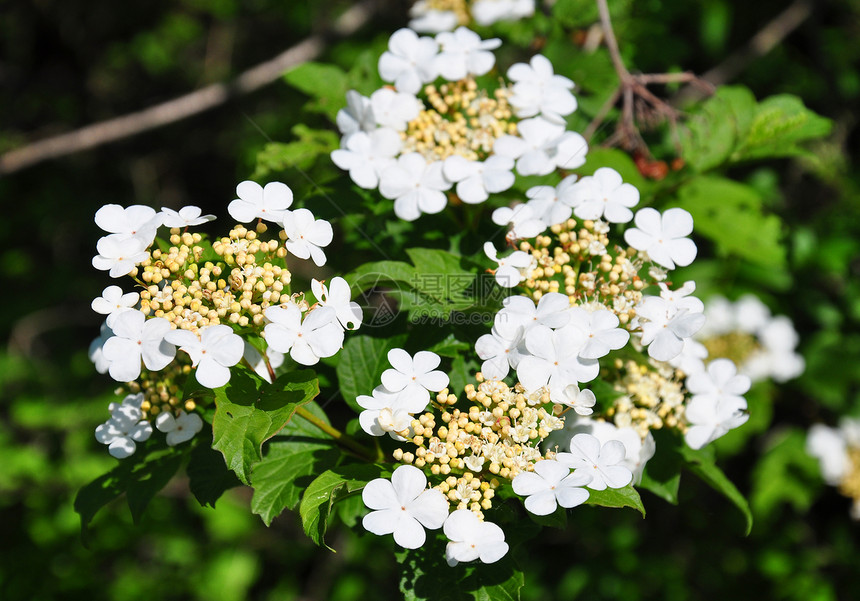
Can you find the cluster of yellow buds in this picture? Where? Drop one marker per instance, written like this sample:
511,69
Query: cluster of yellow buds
652,397
458,7
499,435
162,390
583,264
737,346
193,297
850,483
464,121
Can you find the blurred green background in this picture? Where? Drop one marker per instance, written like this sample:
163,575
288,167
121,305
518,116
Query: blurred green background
66,64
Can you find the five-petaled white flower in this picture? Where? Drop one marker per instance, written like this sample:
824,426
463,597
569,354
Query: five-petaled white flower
136,221
666,325
119,255
416,376
125,427
604,195
213,353
555,360
337,296
356,116
415,186
317,336
663,237
409,61
537,90
394,109
524,222
180,428
553,204
581,401
404,506
386,411
498,352
600,329
256,202
113,302
306,236
471,539
135,338
511,269
551,484
605,464
185,217
542,147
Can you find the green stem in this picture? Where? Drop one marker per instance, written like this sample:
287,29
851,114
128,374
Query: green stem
342,439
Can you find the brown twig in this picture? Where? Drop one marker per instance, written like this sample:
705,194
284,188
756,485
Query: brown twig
188,105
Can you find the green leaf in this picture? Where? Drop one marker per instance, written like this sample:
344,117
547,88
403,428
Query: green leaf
362,361
701,463
140,477
208,475
301,153
326,488
450,346
718,127
786,473
285,471
780,126
327,84
731,214
249,411
616,497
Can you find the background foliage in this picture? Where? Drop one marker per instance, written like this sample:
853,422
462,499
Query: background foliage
793,241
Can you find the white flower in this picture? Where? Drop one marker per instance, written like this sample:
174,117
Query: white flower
463,53
604,463
368,155
522,219
663,237
487,12
828,445
542,146
498,353
409,61
119,254
707,419
552,310
394,109
425,19
318,335
555,360
637,450
476,180
666,327
136,221
416,376
125,427
581,401
539,91
692,357
550,485
553,205
472,539
256,361
337,296
306,236
604,195
256,202
213,353
178,429
600,330
136,338
185,217
415,185
386,411
113,302
404,507
356,116
719,382
511,268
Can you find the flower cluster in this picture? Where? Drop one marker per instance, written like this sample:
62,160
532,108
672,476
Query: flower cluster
763,346
421,137
435,16
838,454
217,303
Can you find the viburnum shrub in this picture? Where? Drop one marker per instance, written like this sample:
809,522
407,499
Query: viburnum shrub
544,356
